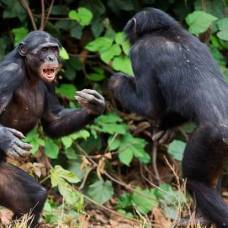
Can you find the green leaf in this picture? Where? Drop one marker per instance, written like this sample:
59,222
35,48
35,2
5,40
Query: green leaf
132,146
144,200
83,16
76,32
67,141
70,154
60,176
66,90
63,54
126,156
71,196
199,21
107,55
121,39
176,149
100,44
113,143
101,191
73,15
170,200
110,124
109,118
82,134
222,23
123,64
51,149
97,76
223,35
19,34
124,201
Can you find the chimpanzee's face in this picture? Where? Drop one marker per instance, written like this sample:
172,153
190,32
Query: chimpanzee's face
41,55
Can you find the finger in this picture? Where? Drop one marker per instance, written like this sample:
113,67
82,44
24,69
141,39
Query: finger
94,93
22,145
157,135
81,100
12,153
167,137
86,96
20,151
164,139
16,133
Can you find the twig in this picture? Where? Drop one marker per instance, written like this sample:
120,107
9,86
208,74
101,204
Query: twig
49,12
154,158
85,178
42,15
25,4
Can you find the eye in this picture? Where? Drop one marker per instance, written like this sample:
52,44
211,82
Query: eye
44,49
55,49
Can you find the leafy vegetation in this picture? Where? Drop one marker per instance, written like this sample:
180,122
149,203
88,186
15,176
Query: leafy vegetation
112,164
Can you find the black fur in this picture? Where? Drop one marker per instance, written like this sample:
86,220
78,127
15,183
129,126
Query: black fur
176,80
27,97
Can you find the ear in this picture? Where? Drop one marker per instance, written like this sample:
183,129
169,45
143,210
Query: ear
22,49
131,26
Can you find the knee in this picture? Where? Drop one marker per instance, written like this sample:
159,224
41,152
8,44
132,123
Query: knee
40,196
43,193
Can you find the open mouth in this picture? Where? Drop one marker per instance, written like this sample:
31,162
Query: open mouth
48,72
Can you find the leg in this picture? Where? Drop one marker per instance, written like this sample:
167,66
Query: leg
20,193
202,165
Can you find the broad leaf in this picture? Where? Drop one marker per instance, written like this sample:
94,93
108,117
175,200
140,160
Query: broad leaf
71,196
19,34
99,44
176,149
107,55
63,54
123,64
66,90
101,191
51,148
83,16
199,21
60,175
144,200
223,35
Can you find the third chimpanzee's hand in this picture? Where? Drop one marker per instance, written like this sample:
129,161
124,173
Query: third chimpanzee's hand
164,136
91,100
11,144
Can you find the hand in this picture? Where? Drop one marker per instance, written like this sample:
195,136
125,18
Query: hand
91,100
11,143
164,136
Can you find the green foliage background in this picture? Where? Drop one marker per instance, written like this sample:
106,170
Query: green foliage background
84,163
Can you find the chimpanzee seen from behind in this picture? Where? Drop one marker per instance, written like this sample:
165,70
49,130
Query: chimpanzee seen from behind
27,96
176,80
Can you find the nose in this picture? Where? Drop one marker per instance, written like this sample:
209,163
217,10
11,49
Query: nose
51,58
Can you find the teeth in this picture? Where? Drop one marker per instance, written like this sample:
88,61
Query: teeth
49,71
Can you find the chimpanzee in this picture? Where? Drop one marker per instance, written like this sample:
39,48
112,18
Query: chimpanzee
26,96
176,80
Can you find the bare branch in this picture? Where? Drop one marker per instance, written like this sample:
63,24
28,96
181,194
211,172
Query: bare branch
49,12
25,4
42,15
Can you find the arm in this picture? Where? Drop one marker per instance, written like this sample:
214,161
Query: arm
136,94
11,77
58,121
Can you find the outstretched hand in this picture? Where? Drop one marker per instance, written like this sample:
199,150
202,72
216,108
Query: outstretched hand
91,100
11,142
